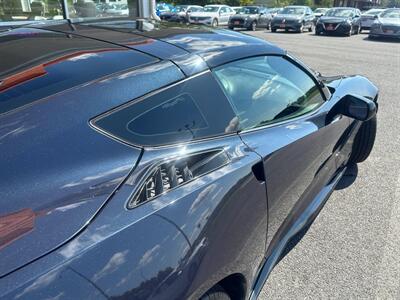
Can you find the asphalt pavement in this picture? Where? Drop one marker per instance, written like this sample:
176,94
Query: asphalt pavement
352,251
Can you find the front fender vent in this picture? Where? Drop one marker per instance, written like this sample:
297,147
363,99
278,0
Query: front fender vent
174,173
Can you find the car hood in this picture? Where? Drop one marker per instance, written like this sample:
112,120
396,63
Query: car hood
56,171
204,14
332,19
244,16
288,17
389,21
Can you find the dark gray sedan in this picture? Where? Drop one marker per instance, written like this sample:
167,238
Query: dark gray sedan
387,24
250,17
295,18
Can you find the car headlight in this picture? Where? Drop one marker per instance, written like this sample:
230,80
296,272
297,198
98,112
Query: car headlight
299,20
347,22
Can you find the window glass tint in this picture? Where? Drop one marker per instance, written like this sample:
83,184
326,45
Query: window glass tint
28,10
90,9
265,90
193,109
190,118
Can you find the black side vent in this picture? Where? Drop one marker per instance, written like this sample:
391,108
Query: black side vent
176,172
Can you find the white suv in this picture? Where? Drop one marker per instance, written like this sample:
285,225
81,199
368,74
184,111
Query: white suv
213,15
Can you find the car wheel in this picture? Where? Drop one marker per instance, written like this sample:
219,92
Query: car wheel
214,23
364,141
268,26
216,293
253,26
311,28
350,31
360,30
231,27
301,29
273,29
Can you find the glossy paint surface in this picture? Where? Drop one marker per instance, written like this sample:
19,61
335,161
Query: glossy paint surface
56,170
68,232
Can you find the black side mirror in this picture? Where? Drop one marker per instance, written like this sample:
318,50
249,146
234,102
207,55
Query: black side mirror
354,106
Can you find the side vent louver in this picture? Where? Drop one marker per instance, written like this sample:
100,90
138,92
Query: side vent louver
176,172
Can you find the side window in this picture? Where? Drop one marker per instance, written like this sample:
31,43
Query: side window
193,109
268,89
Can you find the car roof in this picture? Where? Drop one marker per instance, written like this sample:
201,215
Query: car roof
174,42
56,50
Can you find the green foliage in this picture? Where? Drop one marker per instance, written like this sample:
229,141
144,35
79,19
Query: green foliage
391,3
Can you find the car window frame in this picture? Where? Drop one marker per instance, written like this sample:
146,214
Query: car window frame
94,126
298,65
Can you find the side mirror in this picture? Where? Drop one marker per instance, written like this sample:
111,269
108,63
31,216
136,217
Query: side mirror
354,106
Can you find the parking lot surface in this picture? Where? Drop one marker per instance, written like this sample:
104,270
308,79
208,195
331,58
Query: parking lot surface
352,251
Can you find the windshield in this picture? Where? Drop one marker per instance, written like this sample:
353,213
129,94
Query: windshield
337,12
391,13
373,12
292,11
16,10
211,8
249,10
179,8
320,10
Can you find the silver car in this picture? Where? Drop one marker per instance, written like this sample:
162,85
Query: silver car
212,15
368,18
386,24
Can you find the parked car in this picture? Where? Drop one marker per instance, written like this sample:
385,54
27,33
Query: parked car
318,13
386,24
213,15
134,173
368,18
180,13
250,17
116,10
237,8
274,11
163,7
297,18
339,20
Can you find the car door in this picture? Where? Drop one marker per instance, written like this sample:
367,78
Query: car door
309,17
282,114
263,18
223,16
357,19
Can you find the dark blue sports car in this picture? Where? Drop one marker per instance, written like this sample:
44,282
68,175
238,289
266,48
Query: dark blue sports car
148,162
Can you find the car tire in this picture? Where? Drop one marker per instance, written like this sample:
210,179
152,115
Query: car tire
364,141
301,29
317,32
216,293
311,28
214,23
231,27
273,29
350,31
253,26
